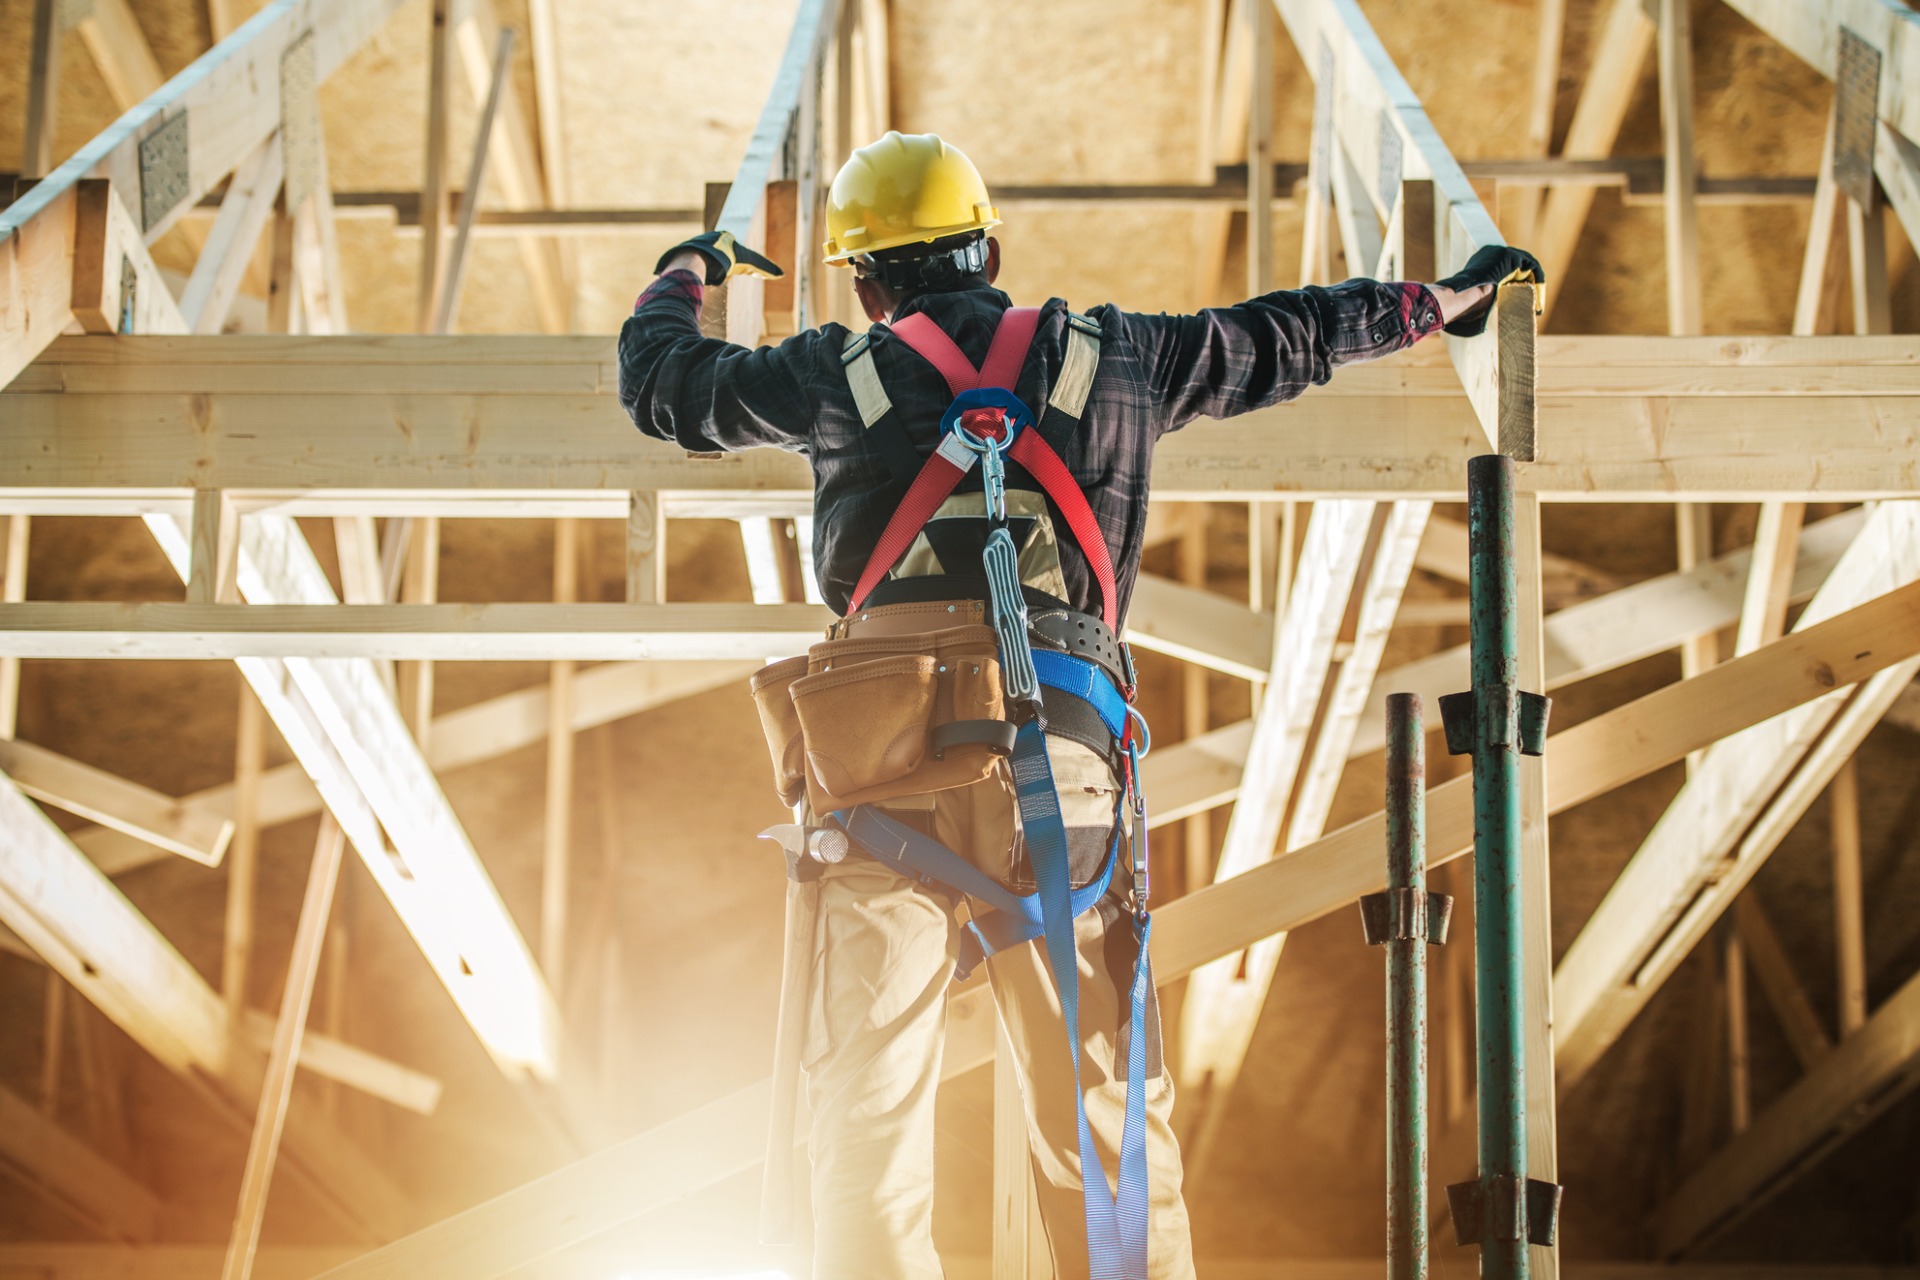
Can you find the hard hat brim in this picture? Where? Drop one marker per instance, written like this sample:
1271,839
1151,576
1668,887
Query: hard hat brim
841,257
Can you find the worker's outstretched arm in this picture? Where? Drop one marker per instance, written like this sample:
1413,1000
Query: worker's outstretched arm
702,393
1230,360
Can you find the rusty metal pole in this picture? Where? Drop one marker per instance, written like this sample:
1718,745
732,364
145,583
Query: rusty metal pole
1502,1210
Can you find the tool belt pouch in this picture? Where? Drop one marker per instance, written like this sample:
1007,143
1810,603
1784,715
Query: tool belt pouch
780,721
886,716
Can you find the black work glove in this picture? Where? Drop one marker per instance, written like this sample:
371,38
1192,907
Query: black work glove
1493,264
725,257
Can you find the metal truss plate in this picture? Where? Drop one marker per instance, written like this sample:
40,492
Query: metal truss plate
1392,156
300,119
1856,110
163,171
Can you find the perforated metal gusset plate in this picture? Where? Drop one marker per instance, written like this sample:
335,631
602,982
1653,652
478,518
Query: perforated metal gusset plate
1856,109
1391,158
163,171
300,119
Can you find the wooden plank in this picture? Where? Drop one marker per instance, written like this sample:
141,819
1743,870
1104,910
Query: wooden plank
1850,950
468,736
1259,150
724,1137
519,173
1857,1082
74,1175
236,944
1896,161
409,632
346,730
159,820
230,97
1763,613
1676,132
1657,905
557,830
1199,627
15,531
215,537
434,186
1536,881
116,288
646,548
420,585
1792,1007
1613,73
1739,1041
1818,293
1543,97
229,248
1224,998
263,1148
347,1064
120,51
43,89
454,275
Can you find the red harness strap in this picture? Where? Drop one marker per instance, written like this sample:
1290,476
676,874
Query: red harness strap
1012,341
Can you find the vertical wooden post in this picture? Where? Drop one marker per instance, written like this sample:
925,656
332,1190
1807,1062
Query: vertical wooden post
1260,151
1739,1051
214,539
43,90
1848,914
277,1091
1814,304
1676,127
53,1025
422,586
1520,202
1197,831
1536,887
646,549
13,589
283,289
433,188
554,879
1019,1243
243,852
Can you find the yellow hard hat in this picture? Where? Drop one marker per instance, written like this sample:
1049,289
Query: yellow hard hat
906,188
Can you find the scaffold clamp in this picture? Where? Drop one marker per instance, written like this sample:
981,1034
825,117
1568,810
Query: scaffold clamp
1495,716
1493,1207
1395,915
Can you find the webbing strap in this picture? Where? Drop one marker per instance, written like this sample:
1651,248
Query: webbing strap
940,476
863,377
1116,1223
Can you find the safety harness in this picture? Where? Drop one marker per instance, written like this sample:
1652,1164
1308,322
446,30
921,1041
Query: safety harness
987,424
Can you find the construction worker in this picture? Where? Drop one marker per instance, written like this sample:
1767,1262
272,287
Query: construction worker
963,744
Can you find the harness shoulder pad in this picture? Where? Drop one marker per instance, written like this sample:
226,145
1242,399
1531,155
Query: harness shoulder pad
863,377
1070,390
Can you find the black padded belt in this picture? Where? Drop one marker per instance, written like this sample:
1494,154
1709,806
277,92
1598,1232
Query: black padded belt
1050,620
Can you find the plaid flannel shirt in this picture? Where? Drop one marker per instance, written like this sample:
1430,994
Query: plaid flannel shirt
1156,374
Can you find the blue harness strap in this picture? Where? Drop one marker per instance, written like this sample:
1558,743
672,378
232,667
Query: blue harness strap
1116,1214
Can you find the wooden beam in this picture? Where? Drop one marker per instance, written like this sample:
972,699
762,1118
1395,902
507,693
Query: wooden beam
1763,614
1850,949
230,100
1896,162
158,820
409,632
1199,627
1739,1041
431,283
263,1149
543,40
519,172
1680,880
1375,104
347,1064
1792,1007
74,1175
454,277
1613,73
229,248
116,287
1259,149
1543,97
1564,581
120,51
1868,1073
215,538
43,89
726,1136
420,585
1676,133
557,849
1818,294
14,534
236,950
483,731
347,732
1812,32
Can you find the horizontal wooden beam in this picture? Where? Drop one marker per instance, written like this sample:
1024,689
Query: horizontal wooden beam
140,812
347,1064
726,1136
410,632
1200,627
530,426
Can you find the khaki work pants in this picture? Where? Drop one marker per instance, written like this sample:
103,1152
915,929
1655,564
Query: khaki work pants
877,1024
